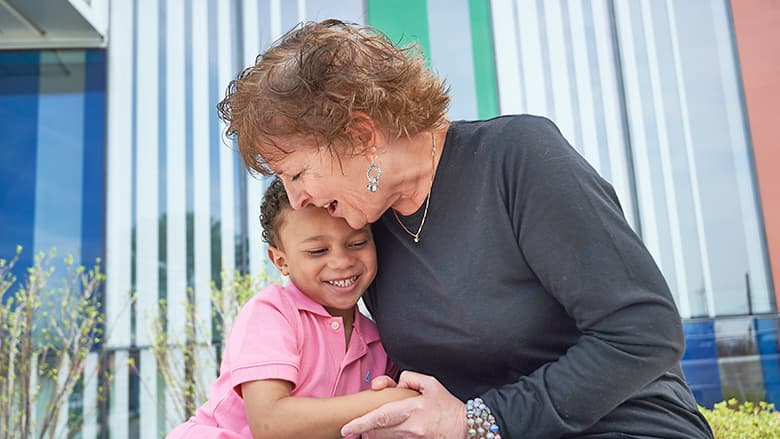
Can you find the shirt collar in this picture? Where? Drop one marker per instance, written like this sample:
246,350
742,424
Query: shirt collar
368,332
304,302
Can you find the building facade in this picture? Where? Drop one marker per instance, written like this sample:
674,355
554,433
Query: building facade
112,148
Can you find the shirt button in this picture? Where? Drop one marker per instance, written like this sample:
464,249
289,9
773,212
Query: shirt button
334,325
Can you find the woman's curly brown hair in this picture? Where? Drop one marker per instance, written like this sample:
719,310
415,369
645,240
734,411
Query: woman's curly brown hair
311,81
275,201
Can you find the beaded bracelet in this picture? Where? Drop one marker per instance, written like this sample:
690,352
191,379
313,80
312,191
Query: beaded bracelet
482,423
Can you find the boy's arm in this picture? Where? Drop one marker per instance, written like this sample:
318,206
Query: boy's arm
273,413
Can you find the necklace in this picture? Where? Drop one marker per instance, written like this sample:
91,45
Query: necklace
416,235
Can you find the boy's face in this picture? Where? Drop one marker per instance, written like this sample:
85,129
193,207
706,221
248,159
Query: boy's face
325,258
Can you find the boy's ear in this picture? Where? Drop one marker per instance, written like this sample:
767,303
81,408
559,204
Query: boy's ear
279,259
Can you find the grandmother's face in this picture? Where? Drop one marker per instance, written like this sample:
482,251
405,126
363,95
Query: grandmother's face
318,176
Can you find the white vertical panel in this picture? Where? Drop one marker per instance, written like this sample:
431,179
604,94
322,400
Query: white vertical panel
34,384
118,205
691,159
147,205
147,178
254,187
612,113
639,139
347,10
147,373
90,407
680,285
148,394
176,158
257,255
174,402
276,21
532,62
449,27
201,113
118,185
302,10
120,391
176,193
507,57
226,154
251,36
61,428
559,71
586,110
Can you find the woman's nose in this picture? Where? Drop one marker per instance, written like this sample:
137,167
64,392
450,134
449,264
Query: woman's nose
298,197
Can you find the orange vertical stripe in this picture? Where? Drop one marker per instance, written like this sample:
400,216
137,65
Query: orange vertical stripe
757,28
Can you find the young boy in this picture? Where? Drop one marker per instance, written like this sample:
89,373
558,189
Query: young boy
299,358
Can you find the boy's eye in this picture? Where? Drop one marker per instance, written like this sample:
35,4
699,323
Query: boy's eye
359,244
317,251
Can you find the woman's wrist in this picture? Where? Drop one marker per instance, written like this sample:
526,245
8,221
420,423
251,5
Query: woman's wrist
480,422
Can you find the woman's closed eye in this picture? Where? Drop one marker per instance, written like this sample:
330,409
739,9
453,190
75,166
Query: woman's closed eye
296,176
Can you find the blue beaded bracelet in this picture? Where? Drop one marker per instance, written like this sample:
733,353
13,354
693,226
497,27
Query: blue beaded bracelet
481,422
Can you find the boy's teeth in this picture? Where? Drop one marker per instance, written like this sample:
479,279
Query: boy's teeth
343,283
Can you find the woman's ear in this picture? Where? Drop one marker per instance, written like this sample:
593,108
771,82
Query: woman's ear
279,259
363,131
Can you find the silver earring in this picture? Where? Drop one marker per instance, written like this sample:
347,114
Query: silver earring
373,173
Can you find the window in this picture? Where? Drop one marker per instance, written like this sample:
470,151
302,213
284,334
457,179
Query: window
52,116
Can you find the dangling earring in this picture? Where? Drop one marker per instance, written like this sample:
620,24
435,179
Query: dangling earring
373,173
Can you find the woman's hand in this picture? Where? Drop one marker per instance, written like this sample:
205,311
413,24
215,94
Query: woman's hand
382,382
434,414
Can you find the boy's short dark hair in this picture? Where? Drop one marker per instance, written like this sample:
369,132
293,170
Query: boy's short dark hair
274,202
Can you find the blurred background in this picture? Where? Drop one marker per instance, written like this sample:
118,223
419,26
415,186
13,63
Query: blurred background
111,149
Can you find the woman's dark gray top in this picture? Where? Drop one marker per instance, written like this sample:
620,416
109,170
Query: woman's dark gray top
529,289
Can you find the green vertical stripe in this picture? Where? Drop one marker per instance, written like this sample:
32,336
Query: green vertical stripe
484,58
404,21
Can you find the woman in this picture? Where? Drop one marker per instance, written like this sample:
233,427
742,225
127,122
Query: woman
508,271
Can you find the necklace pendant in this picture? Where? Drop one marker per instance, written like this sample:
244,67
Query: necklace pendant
373,187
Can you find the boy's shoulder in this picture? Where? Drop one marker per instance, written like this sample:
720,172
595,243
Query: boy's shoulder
274,295
272,299
271,292
287,299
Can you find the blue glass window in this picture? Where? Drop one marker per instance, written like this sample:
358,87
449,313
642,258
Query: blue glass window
52,153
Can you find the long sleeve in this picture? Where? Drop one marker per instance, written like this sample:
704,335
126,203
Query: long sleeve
531,290
573,236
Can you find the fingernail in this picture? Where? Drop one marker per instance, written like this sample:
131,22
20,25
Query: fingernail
345,432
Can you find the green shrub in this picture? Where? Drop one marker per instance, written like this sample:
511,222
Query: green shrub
181,361
734,420
48,327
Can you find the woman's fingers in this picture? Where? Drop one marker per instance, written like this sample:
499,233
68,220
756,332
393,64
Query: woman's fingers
435,413
382,382
417,381
389,415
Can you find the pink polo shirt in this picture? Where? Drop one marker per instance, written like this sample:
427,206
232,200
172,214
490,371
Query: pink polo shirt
283,334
